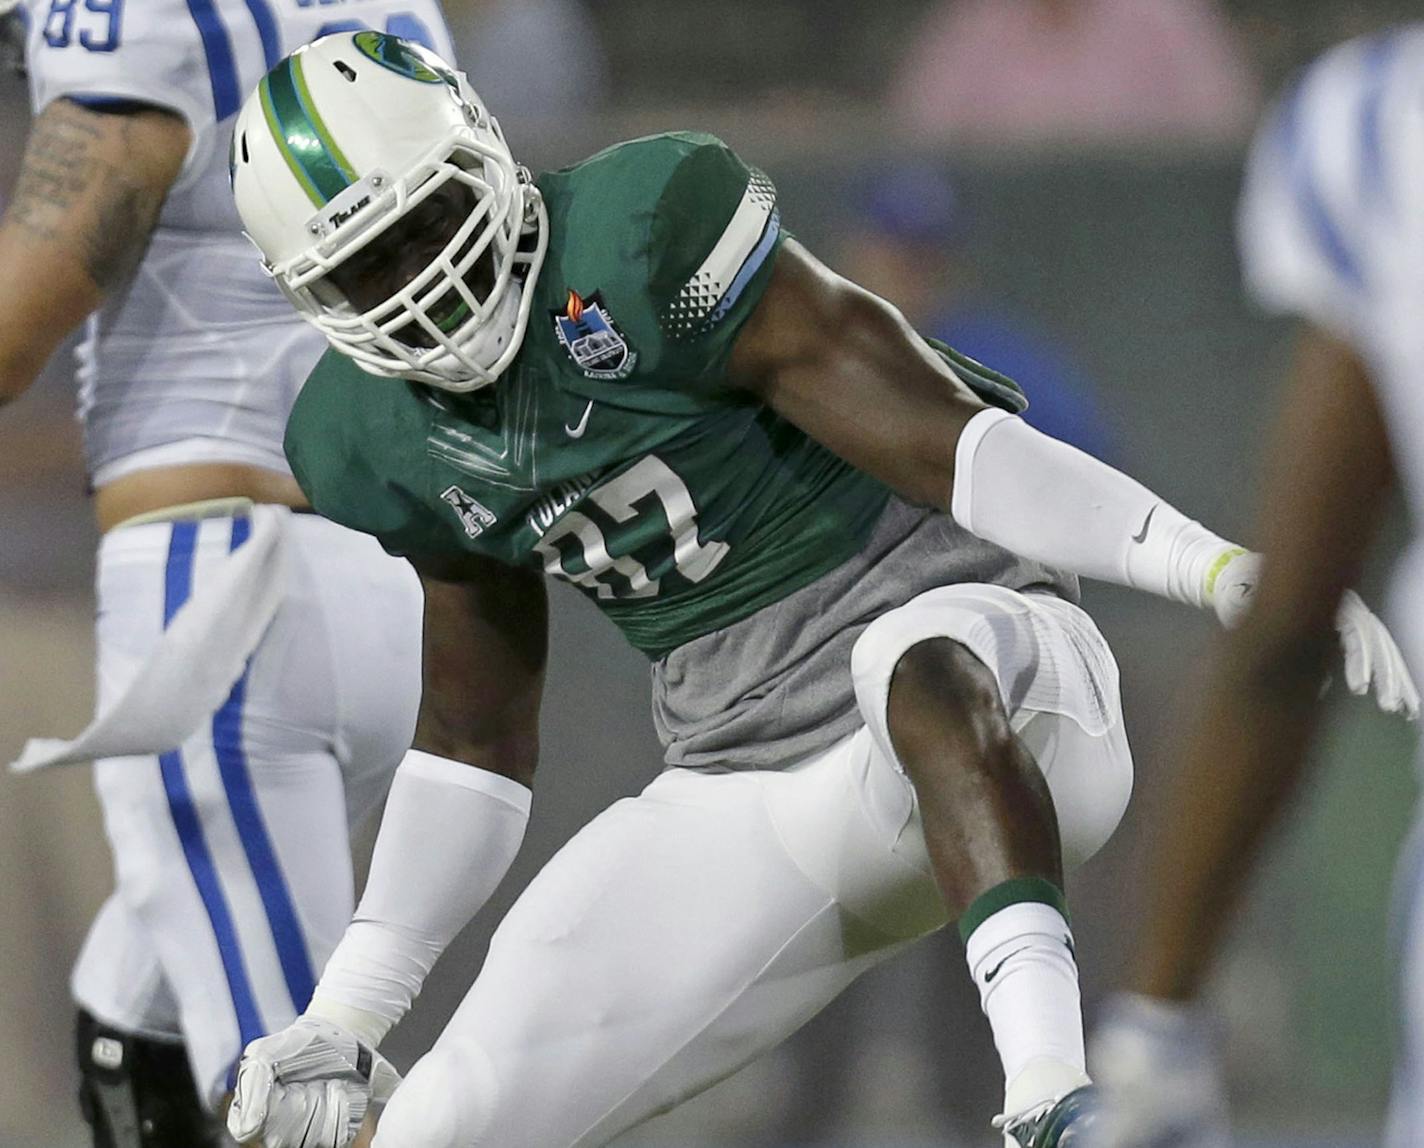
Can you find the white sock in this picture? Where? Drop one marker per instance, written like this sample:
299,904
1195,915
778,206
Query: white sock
1021,957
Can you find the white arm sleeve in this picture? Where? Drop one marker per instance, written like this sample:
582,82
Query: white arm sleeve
448,836
1046,500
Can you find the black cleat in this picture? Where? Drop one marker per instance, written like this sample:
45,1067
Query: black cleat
136,1092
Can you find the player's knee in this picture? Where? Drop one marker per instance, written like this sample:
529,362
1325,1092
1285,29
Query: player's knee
942,696
447,1101
136,1092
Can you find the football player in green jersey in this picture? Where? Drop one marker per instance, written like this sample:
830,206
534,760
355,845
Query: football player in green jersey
842,551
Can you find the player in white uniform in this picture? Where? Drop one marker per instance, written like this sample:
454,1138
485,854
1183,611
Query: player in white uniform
229,826
1331,230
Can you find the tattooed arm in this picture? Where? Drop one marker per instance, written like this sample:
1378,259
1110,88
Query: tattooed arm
90,188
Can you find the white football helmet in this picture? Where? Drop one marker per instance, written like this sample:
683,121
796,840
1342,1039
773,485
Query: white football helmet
341,145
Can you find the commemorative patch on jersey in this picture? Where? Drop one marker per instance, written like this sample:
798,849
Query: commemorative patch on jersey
402,57
592,339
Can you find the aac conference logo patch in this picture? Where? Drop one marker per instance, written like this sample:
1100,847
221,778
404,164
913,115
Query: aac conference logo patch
592,339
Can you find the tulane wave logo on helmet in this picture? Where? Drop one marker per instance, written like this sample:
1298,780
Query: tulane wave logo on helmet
399,56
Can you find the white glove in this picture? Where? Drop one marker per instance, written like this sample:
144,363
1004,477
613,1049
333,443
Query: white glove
1152,1062
308,1086
1373,663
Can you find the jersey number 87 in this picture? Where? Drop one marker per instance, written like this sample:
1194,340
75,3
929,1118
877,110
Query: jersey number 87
650,477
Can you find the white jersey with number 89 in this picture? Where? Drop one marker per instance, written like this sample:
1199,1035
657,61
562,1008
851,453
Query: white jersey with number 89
200,358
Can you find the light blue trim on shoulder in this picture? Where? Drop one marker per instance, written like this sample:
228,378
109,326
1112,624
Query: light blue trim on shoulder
750,266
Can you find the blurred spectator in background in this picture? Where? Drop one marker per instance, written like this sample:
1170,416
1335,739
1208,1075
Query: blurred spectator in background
910,246
1031,71
538,60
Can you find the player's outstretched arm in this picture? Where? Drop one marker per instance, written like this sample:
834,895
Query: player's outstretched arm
88,195
844,365
453,823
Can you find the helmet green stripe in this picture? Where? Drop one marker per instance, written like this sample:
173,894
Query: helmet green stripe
306,145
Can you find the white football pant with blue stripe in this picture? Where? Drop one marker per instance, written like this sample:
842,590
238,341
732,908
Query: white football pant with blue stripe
231,853
231,858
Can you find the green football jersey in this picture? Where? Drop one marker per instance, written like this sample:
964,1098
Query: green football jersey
612,453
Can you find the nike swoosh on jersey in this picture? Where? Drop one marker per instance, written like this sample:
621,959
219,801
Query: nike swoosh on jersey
1141,535
577,431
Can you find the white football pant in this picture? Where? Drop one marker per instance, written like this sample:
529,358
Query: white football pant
231,853
684,932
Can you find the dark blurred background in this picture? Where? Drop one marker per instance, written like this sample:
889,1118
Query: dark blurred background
1049,184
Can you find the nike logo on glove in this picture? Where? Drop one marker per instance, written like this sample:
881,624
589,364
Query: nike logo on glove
577,431
1141,535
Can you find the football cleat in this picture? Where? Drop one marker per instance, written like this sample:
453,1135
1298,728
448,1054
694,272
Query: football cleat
1158,1076
1063,1123
135,1092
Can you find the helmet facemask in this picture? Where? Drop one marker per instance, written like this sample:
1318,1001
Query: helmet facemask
454,316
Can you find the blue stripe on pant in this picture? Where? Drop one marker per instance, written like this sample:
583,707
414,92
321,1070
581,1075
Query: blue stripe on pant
178,583
237,785
252,831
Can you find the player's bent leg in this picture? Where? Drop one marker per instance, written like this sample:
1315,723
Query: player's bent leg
1056,680
944,682
676,938
987,812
